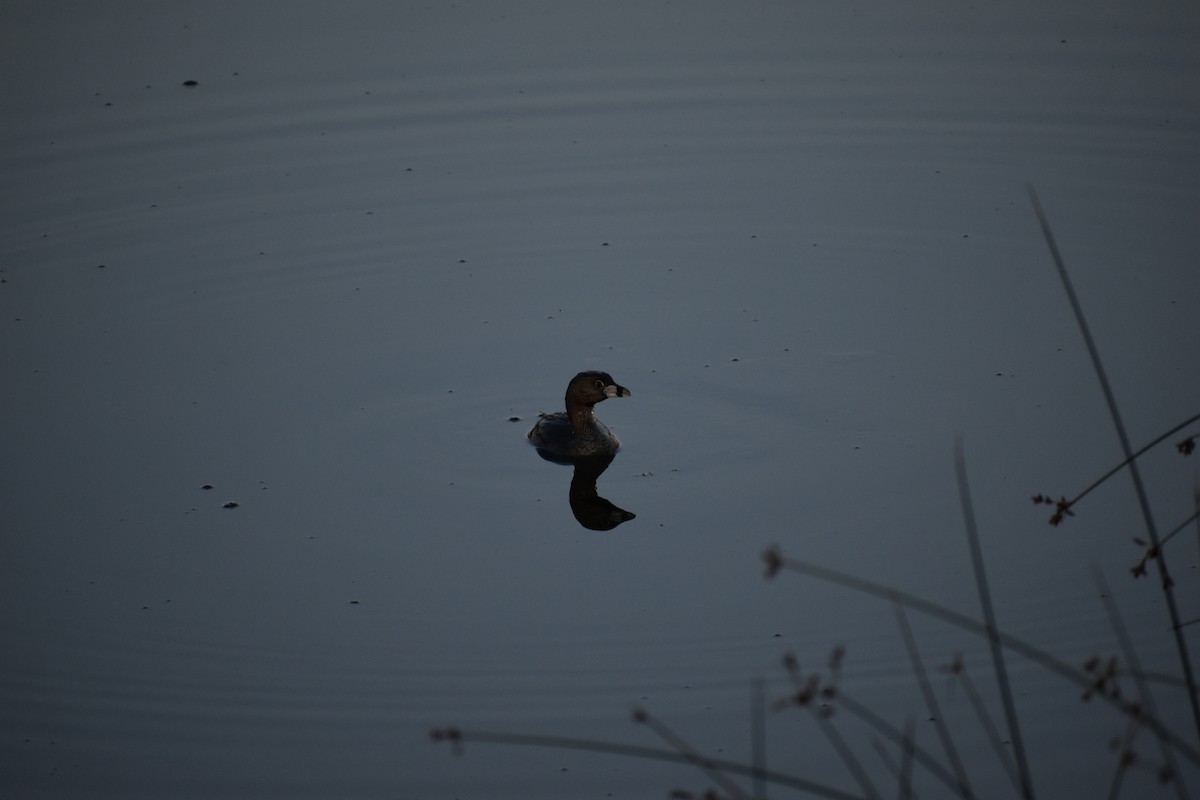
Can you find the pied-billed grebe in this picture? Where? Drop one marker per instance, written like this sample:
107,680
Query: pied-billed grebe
576,433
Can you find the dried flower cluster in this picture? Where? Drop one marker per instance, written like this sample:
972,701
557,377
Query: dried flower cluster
452,735
1062,507
773,557
812,692
1152,552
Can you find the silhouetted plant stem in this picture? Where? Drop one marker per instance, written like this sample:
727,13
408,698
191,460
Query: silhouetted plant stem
906,762
902,772
959,670
1196,500
776,562
1153,552
457,736
1064,506
1145,696
846,754
810,688
1134,472
1124,746
886,757
809,693
989,619
931,703
714,772
906,742
1179,528
758,736
1159,677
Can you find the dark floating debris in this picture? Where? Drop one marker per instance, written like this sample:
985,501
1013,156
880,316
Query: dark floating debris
191,83
207,487
514,419
230,504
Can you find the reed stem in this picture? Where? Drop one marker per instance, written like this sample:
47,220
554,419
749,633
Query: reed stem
1134,473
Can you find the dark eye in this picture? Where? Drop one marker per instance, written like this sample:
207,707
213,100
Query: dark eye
599,384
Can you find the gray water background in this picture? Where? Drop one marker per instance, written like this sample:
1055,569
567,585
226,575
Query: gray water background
323,279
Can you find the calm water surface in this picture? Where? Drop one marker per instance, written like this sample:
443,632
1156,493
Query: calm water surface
337,279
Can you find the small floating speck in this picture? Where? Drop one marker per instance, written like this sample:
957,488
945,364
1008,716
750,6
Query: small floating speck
231,504
190,83
514,419
354,602
207,487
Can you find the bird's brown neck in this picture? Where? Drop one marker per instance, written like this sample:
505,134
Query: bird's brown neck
580,415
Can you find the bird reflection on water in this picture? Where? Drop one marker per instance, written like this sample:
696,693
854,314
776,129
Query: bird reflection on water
592,510
577,438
